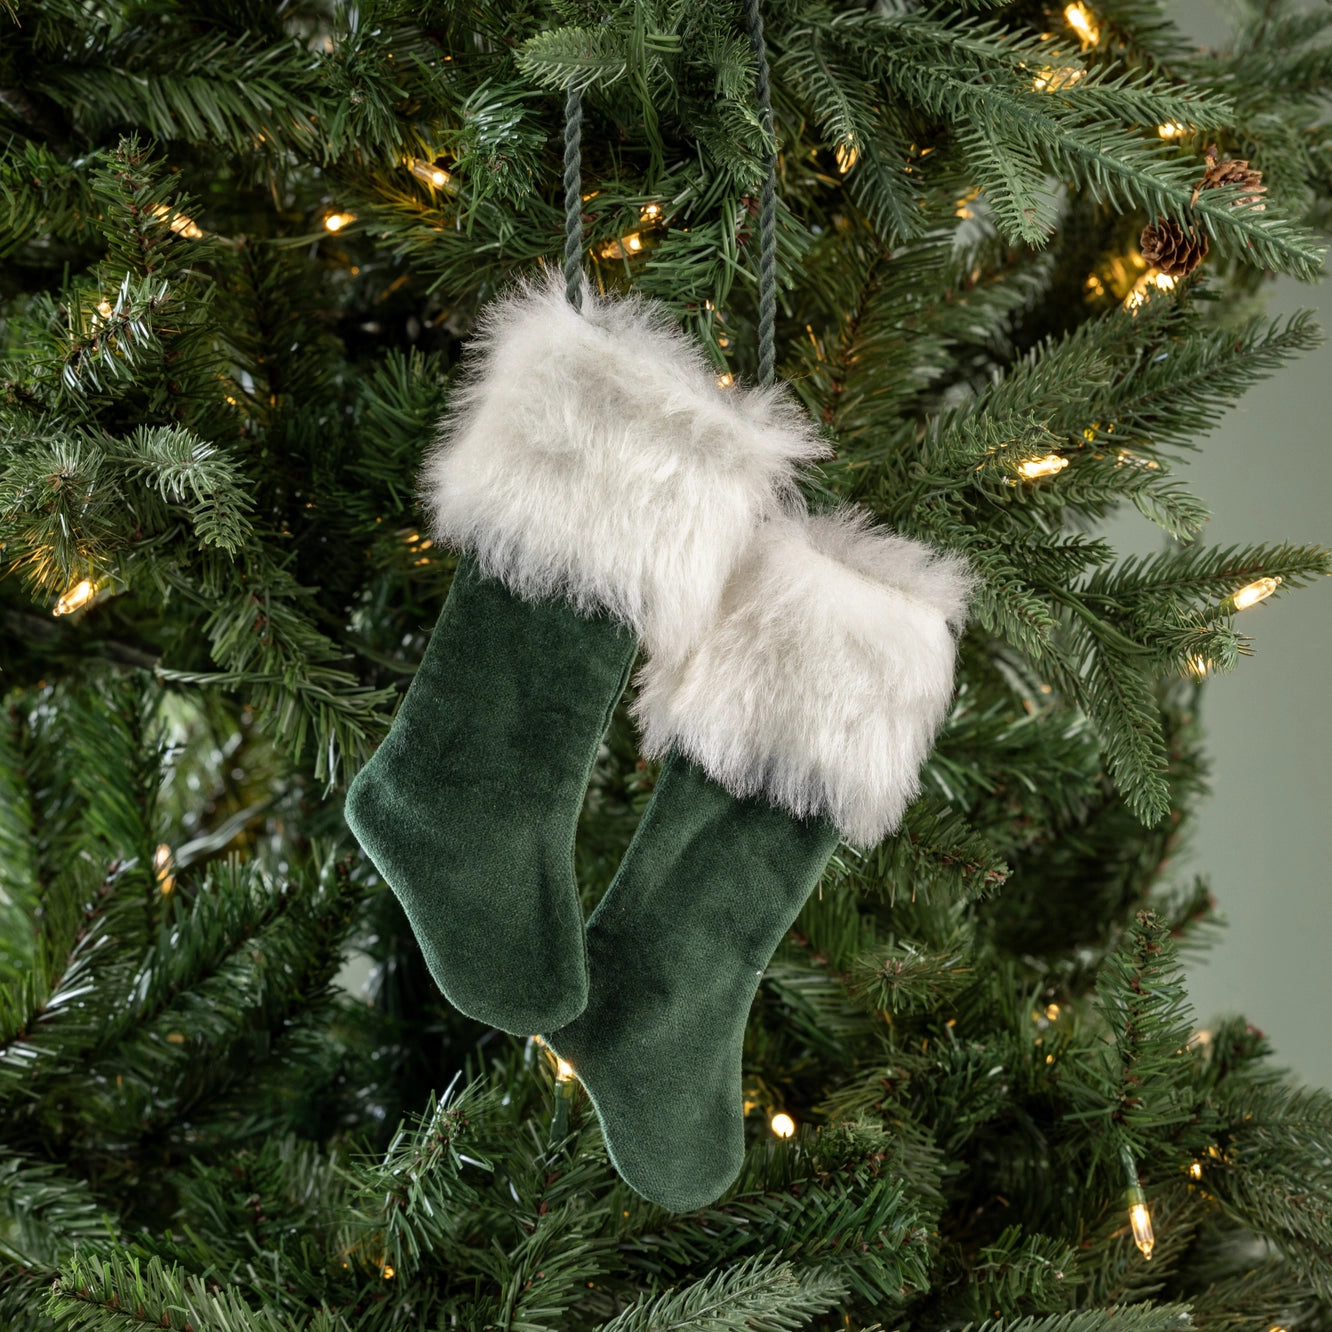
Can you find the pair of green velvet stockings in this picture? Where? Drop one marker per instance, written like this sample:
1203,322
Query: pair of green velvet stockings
469,810
611,495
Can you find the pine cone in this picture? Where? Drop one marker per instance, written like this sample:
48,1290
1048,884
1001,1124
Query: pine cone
1222,171
1167,246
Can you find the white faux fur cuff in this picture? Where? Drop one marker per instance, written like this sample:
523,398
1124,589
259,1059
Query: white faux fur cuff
826,676
593,456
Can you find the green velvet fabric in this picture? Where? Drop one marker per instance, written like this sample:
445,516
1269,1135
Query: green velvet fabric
706,891
469,807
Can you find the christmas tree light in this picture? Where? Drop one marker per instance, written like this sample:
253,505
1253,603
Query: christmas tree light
621,248
433,175
1080,19
782,1125
336,221
1259,590
1051,79
1148,282
76,598
162,869
179,223
846,154
1140,1218
1046,466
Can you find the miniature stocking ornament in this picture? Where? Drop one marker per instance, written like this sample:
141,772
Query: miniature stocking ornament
602,487
801,716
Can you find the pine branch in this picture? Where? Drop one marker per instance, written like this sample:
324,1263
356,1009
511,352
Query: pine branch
195,88
1015,1273
907,978
405,1204
42,197
1142,1086
765,1295
1145,1317
934,854
1275,1173
121,1290
45,1214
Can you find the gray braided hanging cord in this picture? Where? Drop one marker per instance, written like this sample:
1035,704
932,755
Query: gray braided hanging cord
573,198
767,207
573,203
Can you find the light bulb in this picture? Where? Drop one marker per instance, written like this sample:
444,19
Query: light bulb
336,221
1128,457
104,309
782,1124
846,155
650,212
1055,80
630,243
726,380
1172,129
76,598
162,865
1140,1219
430,173
180,224
1255,592
1195,1170
1047,466
563,1070
1080,19
1138,296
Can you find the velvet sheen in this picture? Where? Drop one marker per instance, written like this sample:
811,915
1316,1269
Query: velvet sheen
706,891
469,807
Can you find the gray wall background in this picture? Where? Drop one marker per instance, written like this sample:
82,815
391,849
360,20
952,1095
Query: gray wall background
1265,836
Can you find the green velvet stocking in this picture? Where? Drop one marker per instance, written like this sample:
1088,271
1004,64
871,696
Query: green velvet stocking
469,807
704,895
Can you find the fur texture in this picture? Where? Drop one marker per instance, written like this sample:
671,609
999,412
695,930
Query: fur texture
594,457
826,676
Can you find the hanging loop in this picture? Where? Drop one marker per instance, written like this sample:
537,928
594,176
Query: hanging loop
573,198
767,206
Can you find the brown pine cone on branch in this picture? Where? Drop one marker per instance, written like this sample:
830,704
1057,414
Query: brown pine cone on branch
1168,246
1223,171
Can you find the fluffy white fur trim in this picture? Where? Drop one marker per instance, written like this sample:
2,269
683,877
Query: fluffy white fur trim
593,456
826,676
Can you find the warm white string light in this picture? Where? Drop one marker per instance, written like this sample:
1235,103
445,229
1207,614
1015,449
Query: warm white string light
1049,465
1080,19
76,598
1254,592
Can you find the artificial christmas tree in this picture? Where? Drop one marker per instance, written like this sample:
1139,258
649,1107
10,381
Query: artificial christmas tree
245,245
